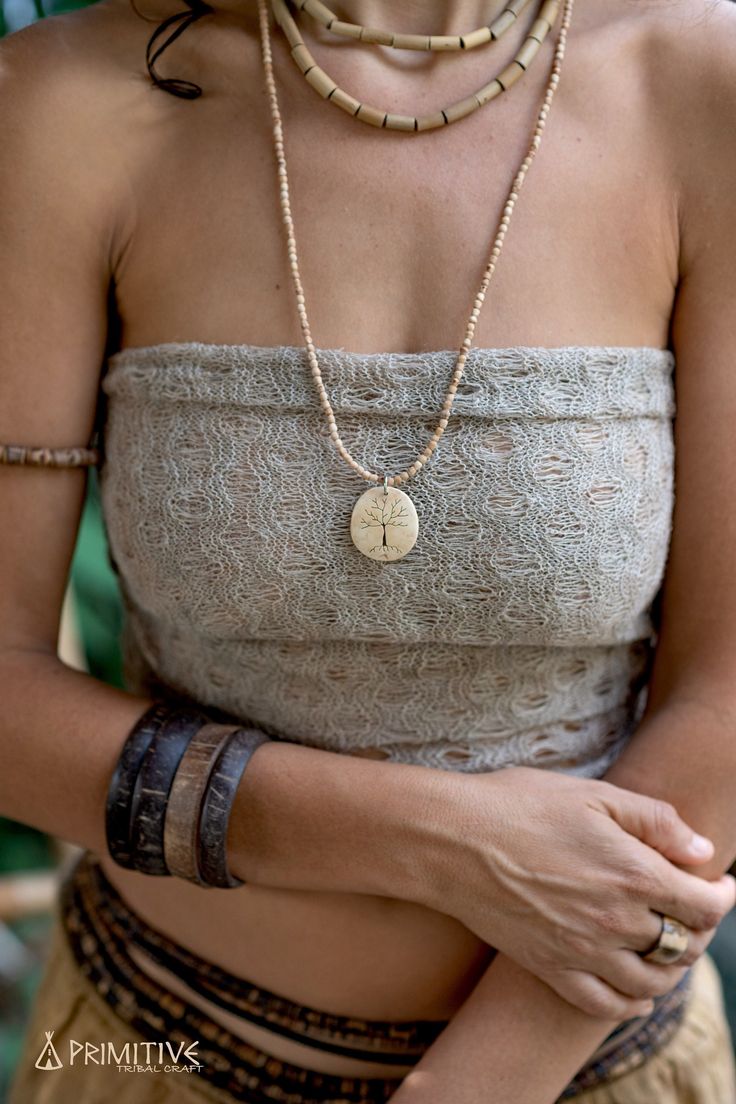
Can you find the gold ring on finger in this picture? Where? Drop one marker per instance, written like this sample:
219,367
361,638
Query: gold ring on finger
671,945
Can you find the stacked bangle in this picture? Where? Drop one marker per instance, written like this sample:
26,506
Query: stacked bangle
217,803
152,787
181,826
122,784
171,793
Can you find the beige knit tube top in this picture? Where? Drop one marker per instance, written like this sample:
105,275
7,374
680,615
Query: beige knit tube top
519,630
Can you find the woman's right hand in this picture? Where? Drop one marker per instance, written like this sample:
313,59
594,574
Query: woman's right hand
568,877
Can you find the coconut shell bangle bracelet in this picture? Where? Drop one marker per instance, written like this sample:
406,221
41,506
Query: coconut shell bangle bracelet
217,806
120,792
153,785
192,778
171,794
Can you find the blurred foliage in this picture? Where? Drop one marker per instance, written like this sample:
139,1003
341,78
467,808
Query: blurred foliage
15,14
96,592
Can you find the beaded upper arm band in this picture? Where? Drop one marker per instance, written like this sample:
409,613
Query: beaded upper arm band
49,457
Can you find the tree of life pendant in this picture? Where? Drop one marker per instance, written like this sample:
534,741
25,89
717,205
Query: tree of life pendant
384,524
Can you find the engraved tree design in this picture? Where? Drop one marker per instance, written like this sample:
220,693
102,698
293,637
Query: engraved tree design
382,514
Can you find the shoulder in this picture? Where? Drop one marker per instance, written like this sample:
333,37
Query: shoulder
76,97
693,31
690,53
101,48
64,55
87,67
61,84
679,54
682,61
700,110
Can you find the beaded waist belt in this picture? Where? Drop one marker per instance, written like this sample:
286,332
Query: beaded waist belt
100,927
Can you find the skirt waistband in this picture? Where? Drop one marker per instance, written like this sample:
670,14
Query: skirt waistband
100,926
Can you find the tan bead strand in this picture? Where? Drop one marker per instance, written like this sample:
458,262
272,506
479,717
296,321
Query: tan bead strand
42,457
490,33
328,89
508,209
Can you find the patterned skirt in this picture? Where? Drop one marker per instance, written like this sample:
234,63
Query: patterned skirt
103,1029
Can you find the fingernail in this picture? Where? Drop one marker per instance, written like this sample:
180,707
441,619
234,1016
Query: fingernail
699,845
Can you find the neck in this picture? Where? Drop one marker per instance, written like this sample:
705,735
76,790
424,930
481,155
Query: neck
420,16
454,17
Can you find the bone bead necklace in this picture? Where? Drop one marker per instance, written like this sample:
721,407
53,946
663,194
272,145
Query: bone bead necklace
384,523
323,83
493,31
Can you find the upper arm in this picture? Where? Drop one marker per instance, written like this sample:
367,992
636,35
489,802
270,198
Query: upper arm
696,652
55,248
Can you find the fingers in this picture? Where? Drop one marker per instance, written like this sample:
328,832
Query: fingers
649,931
631,976
696,903
595,997
659,825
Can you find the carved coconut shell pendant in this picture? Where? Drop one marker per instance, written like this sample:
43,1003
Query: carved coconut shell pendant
384,524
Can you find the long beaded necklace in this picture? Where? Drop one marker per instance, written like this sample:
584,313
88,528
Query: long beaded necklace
384,523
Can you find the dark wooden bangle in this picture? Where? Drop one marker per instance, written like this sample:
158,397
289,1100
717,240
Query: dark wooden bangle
181,823
152,786
217,805
122,783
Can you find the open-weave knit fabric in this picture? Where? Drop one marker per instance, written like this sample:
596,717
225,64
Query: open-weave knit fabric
520,628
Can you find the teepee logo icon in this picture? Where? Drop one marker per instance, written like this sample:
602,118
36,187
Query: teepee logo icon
48,1059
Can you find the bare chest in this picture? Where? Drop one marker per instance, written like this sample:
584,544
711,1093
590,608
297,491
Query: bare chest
394,231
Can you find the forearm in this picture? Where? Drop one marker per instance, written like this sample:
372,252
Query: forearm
61,732
514,1041
685,753
303,818
306,818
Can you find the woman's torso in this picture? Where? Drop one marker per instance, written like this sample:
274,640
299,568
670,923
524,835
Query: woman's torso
393,232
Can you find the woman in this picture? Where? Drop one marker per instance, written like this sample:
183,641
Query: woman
143,233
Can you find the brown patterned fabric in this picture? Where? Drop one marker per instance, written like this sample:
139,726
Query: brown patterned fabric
93,990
